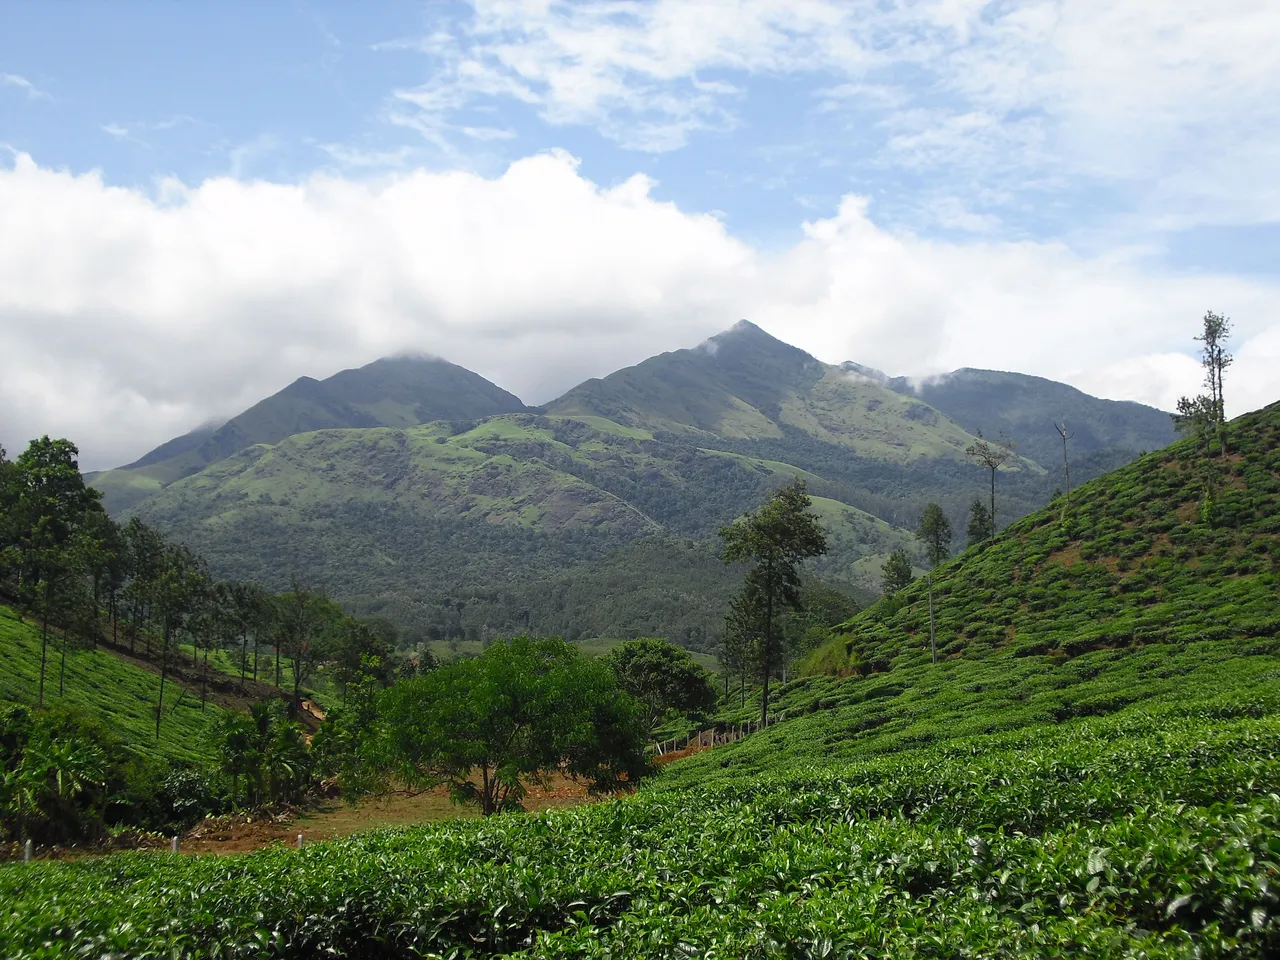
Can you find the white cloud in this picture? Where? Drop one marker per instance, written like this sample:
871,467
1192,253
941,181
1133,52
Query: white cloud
22,83
126,319
1176,105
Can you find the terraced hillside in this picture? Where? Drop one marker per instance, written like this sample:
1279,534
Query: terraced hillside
113,691
1029,795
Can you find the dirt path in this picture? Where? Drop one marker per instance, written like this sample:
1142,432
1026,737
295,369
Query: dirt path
336,819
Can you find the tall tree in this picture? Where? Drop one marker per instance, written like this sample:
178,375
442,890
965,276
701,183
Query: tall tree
180,582
1207,413
896,572
303,618
743,628
774,539
979,522
1066,464
993,456
935,533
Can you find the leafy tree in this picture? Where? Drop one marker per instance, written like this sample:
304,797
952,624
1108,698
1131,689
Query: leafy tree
935,533
304,620
144,562
980,528
1207,413
774,539
896,572
360,646
662,677
992,456
743,629
488,726
181,581
265,749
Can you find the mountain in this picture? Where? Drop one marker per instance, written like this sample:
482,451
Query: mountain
391,392
744,384
593,515
1025,409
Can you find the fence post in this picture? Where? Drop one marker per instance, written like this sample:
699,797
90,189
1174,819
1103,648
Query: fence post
299,841
173,844
27,851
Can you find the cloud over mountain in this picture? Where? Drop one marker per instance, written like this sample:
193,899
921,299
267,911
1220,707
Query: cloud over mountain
128,316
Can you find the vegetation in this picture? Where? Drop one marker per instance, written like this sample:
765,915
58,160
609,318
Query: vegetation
774,540
595,516
523,709
662,678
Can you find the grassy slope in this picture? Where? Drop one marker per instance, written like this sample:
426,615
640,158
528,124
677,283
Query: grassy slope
119,693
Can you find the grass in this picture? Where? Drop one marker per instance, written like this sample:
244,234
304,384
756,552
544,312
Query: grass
106,687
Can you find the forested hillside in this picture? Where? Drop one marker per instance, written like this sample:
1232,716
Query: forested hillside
481,526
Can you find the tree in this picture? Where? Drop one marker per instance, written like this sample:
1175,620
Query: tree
774,539
979,522
743,628
181,580
896,572
1066,464
1208,413
935,533
992,456
302,621
662,677
488,726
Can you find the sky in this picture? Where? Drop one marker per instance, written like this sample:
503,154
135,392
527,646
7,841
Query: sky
202,201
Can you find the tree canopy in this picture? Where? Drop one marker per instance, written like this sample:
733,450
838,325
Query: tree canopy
662,677
489,726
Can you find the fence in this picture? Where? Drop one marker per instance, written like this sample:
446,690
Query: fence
711,737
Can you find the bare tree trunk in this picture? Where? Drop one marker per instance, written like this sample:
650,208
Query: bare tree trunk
44,646
933,641
768,647
164,664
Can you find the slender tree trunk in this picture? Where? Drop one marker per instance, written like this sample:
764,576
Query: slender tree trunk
1066,469
204,680
993,501
768,646
164,664
933,641
44,646
62,667
244,654
277,666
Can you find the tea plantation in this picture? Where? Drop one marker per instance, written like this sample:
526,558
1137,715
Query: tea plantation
117,694
1091,770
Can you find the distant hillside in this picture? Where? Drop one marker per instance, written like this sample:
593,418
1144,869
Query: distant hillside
1025,409
392,392
490,518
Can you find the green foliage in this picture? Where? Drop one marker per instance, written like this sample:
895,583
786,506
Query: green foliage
1147,834
979,523
773,539
897,573
934,532
1135,565
264,753
487,727
662,677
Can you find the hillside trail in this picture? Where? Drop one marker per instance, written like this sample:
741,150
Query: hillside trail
333,818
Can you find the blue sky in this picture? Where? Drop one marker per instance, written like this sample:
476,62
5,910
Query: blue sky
914,185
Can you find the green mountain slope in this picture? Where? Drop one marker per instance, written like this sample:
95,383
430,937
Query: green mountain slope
393,392
1025,409
119,693
507,518
744,384
523,521
1145,602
